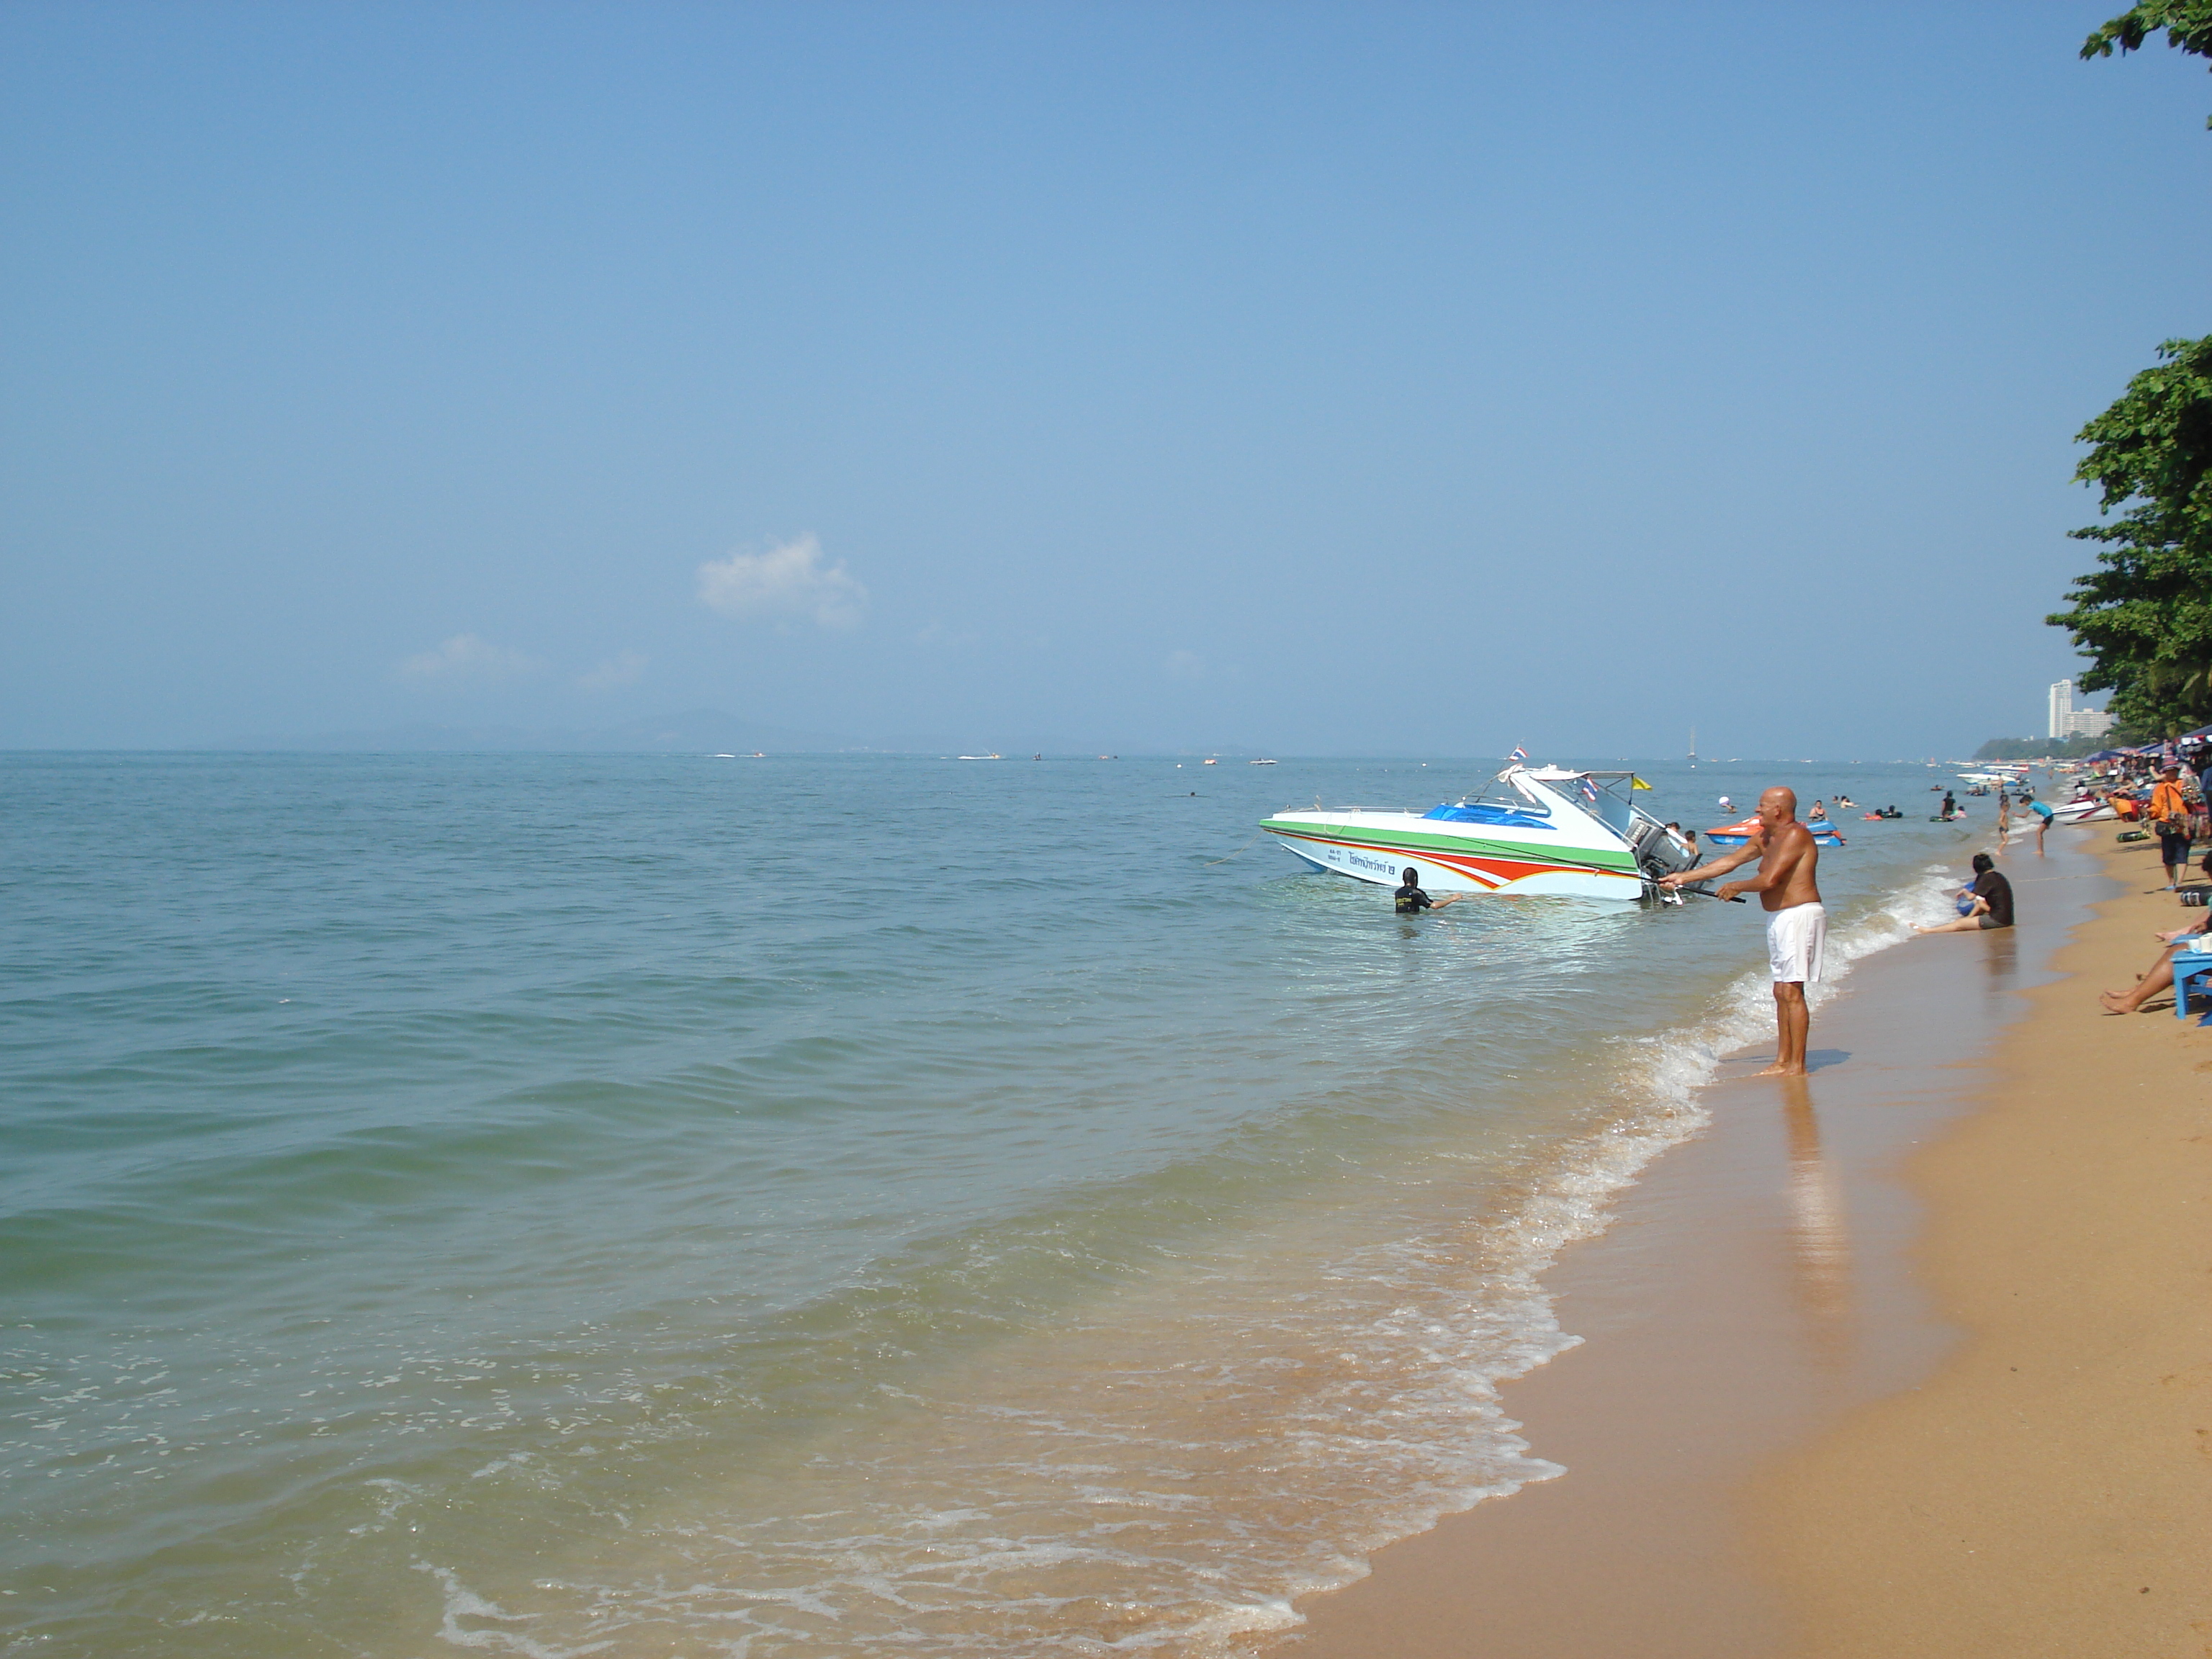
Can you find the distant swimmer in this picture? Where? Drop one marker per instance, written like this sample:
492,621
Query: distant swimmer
1412,901
1727,805
1797,921
1819,813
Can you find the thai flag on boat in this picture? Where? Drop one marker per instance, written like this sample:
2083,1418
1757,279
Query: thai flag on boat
1518,754
1589,790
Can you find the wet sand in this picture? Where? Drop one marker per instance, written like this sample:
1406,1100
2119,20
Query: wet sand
1784,1407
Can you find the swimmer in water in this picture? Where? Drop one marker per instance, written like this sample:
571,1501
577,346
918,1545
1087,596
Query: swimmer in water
1411,901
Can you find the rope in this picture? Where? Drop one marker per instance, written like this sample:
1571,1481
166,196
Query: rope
1210,863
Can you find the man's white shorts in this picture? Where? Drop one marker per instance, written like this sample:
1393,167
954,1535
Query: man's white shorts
1794,939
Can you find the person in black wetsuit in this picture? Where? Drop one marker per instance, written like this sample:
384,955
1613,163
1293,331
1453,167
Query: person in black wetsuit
1412,901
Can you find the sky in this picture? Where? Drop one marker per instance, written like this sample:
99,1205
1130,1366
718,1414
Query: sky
1364,378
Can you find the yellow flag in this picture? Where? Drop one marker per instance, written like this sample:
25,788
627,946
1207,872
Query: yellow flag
1635,782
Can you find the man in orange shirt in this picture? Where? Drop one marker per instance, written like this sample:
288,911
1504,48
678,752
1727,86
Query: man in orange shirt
2169,814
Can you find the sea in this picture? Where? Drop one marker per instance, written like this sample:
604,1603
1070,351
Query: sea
797,1206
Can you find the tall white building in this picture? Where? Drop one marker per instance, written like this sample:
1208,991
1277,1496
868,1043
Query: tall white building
2067,721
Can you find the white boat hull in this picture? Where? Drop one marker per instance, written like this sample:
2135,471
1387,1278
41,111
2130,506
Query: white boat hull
2083,811
1385,866
1541,839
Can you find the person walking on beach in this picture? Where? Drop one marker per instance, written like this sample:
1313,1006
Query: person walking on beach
2169,815
1797,921
1411,901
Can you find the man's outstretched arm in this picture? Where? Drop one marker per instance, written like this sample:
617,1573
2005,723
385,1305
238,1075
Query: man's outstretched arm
1720,866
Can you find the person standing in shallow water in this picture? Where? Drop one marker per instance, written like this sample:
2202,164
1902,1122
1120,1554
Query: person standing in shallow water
1797,921
1411,901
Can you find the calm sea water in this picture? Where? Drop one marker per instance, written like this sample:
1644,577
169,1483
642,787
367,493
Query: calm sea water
827,1205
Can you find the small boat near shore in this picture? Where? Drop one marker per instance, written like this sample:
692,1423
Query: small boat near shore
1825,834
1539,829
2086,809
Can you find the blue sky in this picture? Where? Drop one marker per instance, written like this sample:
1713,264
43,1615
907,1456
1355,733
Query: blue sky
1373,378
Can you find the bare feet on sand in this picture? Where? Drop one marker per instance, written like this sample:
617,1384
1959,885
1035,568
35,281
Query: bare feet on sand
2116,1002
1779,1070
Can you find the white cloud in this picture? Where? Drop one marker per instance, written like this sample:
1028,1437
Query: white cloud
468,656
621,669
1184,666
789,580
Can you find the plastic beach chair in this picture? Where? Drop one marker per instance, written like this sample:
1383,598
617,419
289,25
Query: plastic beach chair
2189,966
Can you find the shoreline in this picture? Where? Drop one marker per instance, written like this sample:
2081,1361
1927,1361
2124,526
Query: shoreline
1757,1295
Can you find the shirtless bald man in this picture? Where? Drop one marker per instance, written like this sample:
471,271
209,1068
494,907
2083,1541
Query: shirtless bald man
1796,924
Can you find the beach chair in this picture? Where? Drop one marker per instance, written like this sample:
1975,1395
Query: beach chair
2189,967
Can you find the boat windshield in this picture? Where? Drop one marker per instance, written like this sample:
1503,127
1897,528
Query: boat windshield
1496,814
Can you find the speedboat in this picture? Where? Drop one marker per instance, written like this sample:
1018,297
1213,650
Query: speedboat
1538,829
2086,809
1825,834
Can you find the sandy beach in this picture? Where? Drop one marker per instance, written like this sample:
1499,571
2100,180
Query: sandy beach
1910,1356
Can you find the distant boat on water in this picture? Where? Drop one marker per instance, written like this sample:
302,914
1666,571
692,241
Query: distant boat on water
982,758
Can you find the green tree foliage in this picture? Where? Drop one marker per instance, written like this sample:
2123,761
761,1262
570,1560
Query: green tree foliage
2187,23
2144,617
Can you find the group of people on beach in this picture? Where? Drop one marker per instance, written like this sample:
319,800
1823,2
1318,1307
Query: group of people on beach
2179,821
1788,886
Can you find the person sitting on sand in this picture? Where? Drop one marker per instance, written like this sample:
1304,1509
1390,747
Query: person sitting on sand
1412,901
2157,977
1992,906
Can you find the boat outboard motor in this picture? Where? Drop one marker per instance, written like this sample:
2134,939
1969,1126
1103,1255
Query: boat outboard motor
1658,851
